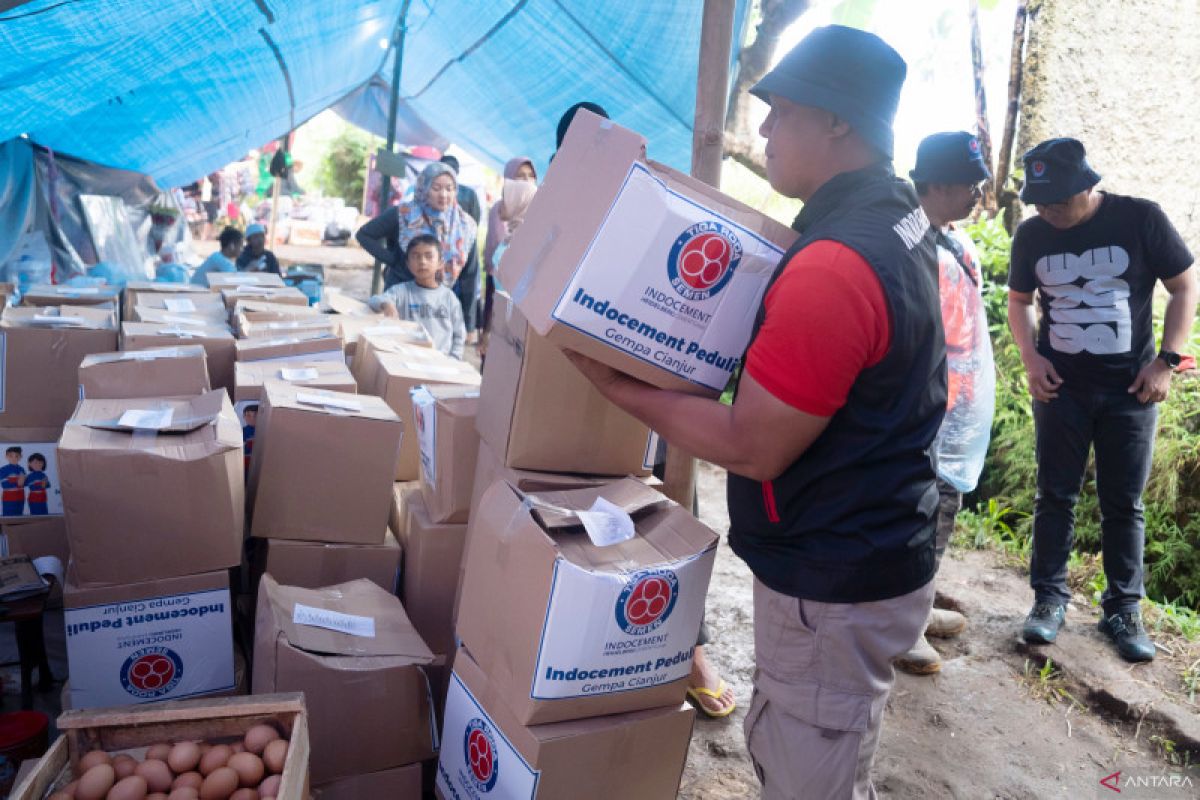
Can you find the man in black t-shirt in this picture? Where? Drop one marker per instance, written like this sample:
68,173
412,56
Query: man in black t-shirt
1094,259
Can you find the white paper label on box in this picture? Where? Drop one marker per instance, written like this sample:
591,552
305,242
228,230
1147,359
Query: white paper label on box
178,320
182,304
351,624
425,414
670,282
149,648
237,278
606,523
432,369
608,633
328,401
50,319
298,374
147,418
477,760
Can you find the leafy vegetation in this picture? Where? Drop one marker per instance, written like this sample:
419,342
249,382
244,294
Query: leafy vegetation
1001,510
343,169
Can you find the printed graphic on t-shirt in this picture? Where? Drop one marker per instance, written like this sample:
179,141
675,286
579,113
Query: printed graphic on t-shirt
1089,301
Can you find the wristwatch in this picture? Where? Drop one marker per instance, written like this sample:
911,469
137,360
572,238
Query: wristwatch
1171,359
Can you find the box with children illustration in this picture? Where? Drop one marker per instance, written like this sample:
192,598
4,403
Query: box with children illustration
29,485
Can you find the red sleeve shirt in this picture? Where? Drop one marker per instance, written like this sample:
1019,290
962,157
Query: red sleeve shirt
826,321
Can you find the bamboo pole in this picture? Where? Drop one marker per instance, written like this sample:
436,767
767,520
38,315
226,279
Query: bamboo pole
708,131
385,181
1016,68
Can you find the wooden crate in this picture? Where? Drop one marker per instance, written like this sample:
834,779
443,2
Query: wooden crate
133,727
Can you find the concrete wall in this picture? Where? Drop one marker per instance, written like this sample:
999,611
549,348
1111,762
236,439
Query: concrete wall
1123,77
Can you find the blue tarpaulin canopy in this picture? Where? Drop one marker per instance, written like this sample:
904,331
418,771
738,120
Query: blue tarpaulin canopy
177,88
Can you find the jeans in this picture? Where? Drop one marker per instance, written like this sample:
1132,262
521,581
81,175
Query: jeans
1122,432
949,504
466,288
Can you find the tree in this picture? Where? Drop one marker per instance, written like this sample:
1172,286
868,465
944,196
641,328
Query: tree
343,170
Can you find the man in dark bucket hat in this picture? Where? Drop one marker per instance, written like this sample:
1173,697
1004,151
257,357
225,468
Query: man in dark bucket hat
1093,258
831,492
948,177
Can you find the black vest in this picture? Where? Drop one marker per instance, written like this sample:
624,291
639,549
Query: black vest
852,519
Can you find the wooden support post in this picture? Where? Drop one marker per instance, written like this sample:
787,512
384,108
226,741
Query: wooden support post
708,131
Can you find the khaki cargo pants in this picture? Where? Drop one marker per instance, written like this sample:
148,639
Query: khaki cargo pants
823,675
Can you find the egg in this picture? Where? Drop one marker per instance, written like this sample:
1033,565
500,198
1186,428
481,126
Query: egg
156,796
219,784
184,757
131,788
249,768
214,759
258,737
244,794
188,779
275,755
159,751
156,774
61,796
124,765
270,787
238,747
184,793
96,782
92,759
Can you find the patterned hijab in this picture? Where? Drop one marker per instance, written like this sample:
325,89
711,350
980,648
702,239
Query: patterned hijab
453,227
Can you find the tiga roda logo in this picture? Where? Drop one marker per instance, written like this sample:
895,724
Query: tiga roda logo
151,672
646,601
702,260
479,748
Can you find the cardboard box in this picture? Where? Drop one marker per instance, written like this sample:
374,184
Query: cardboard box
30,482
444,418
256,310
489,469
159,316
53,295
401,783
322,465
202,303
400,493
152,640
351,326
275,328
650,271
277,293
148,497
572,629
251,376
352,651
37,537
396,375
220,281
154,372
40,352
489,753
390,335
218,343
138,292
312,565
433,555
540,413
321,346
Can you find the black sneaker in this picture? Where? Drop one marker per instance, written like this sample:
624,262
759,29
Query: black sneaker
1125,628
1043,622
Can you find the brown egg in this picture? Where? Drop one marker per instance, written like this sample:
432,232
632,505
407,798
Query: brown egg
124,765
249,768
184,757
219,784
214,759
156,773
156,796
131,788
61,795
269,787
71,787
244,794
184,793
238,747
258,737
92,759
96,782
275,755
192,779
159,751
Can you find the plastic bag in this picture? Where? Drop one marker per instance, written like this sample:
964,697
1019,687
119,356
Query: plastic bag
29,263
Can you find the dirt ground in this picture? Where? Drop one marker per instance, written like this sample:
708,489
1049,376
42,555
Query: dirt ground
986,726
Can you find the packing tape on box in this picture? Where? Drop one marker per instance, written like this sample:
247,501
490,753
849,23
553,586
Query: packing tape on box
526,283
433,726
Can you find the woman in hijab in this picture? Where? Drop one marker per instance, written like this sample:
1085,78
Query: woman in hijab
520,185
433,210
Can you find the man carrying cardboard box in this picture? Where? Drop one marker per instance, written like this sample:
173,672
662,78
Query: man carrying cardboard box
831,491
